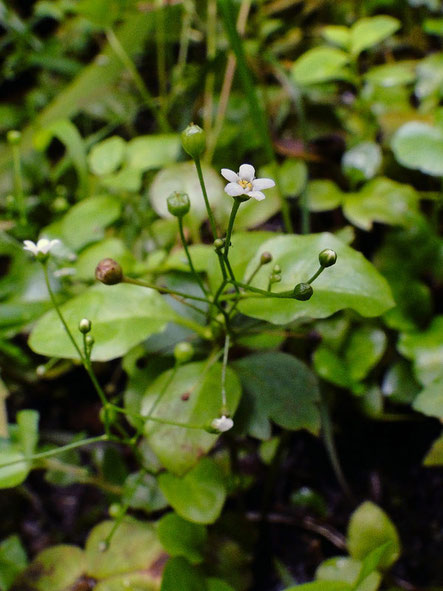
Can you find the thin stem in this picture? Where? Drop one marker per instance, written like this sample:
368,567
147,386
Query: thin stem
79,474
224,366
162,392
205,197
211,43
59,450
142,283
316,274
234,210
154,419
161,53
18,185
281,294
191,264
254,272
59,314
126,60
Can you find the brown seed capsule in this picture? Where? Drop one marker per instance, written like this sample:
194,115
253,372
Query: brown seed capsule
109,272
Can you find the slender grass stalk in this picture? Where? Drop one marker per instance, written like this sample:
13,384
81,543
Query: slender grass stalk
126,60
255,109
188,256
205,197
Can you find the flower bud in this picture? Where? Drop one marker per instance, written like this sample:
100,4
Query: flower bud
115,509
183,352
303,292
178,204
89,340
219,243
266,257
84,325
13,137
193,140
276,270
327,257
109,272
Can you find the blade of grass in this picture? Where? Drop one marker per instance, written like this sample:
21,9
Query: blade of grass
255,108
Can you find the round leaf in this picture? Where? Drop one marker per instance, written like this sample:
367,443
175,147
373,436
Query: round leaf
362,161
199,495
107,156
153,151
122,316
179,575
351,283
190,395
419,146
319,65
182,538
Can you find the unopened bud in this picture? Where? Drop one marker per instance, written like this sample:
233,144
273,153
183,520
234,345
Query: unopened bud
178,204
219,243
89,340
109,272
276,269
13,137
303,291
84,325
183,352
266,257
327,257
193,140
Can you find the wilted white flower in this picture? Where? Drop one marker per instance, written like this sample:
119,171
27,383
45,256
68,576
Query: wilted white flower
245,183
42,247
222,424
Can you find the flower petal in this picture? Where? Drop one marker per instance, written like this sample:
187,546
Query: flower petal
258,195
234,189
54,243
43,245
260,184
222,424
229,175
246,172
31,246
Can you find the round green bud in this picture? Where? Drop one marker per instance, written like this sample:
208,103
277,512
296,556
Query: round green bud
303,292
178,204
13,137
84,325
109,272
183,352
108,415
114,510
266,257
276,269
89,340
219,243
193,140
327,257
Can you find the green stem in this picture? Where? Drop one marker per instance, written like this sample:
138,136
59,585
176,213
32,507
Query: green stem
316,274
205,197
59,314
223,376
18,185
161,53
191,264
234,210
162,393
142,283
254,272
126,60
281,294
59,450
79,474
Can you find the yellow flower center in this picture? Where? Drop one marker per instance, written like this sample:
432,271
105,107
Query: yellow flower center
245,185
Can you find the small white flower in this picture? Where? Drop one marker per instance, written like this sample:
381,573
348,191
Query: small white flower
245,183
42,247
222,424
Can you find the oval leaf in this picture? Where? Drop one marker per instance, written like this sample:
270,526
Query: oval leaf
419,146
319,65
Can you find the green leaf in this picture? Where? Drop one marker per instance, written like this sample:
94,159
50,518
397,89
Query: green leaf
214,584
321,586
113,248
364,349
182,538
346,570
338,35
105,157
86,221
141,491
426,351
27,422
389,75
369,31
66,132
331,367
54,569
368,529
122,316
352,283
323,195
190,395
153,151
370,564
419,146
179,575
434,457
430,400
381,200
320,64
16,473
130,582
362,161
280,388
198,496
134,546
12,561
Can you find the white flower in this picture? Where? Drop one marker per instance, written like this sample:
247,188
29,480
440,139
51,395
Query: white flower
42,247
245,183
222,424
